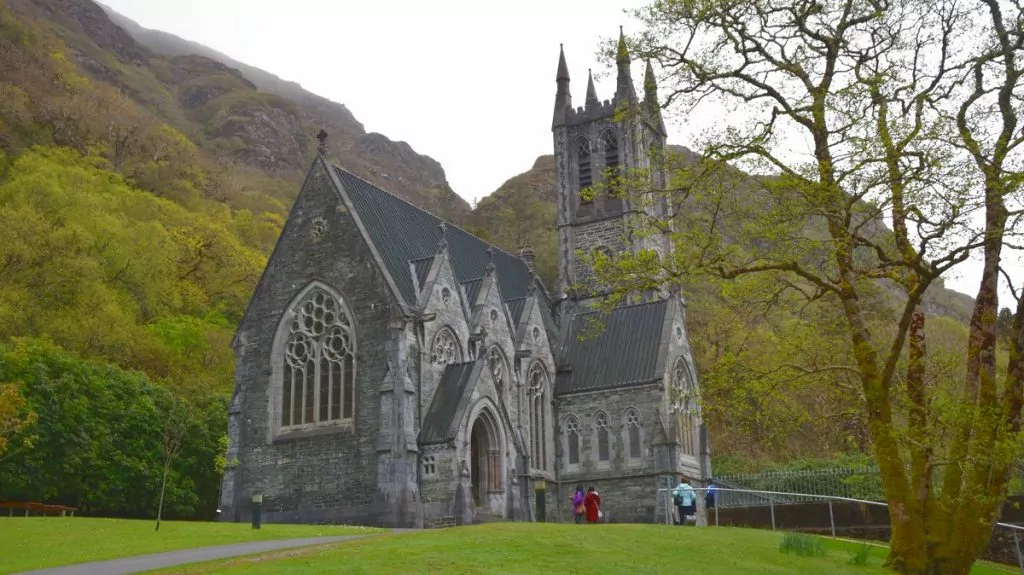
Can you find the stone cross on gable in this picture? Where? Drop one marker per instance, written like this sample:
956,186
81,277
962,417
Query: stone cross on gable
321,147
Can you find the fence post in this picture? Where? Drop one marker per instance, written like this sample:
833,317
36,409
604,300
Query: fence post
716,514
772,503
1016,541
831,519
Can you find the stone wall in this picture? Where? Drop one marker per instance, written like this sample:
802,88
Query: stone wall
439,479
628,486
328,474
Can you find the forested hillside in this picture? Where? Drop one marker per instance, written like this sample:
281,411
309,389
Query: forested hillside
143,183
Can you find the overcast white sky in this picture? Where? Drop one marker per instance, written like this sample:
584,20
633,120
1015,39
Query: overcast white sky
470,84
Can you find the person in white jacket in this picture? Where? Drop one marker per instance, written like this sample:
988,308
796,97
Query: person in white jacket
685,499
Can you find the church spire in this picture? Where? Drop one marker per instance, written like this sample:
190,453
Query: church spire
591,92
624,86
563,100
651,98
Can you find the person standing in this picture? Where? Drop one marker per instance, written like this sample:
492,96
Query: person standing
685,499
578,509
709,499
592,503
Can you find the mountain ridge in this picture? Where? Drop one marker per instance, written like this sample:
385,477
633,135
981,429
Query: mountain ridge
238,113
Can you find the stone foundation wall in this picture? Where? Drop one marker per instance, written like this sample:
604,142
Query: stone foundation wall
631,499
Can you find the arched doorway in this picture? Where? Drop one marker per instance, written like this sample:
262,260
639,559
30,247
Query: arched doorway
485,460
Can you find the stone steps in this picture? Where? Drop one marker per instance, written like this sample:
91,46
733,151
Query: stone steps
487,518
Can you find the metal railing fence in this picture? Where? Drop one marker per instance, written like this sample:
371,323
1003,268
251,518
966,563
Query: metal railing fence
774,499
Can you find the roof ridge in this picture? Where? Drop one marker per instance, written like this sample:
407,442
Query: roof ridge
429,213
622,307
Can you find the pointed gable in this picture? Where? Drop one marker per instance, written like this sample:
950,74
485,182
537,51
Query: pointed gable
404,233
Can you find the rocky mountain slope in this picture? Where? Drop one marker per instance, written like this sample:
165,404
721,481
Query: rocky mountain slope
240,114
249,116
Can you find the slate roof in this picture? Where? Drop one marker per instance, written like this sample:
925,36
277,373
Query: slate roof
404,233
618,348
472,288
421,268
439,423
515,309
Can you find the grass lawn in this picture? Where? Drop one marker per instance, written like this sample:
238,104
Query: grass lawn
35,542
550,548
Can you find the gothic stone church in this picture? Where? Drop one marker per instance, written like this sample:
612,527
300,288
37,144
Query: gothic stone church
395,370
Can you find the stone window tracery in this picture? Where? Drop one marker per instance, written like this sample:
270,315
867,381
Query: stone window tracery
572,439
684,406
429,465
319,228
319,364
603,437
537,393
611,154
633,434
583,164
445,348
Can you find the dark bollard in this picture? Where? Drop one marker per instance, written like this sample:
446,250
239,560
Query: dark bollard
257,511
540,490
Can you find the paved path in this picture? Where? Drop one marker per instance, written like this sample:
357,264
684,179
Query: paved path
172,558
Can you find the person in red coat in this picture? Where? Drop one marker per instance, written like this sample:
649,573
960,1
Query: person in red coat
592,502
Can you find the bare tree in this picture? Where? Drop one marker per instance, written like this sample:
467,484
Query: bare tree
177,418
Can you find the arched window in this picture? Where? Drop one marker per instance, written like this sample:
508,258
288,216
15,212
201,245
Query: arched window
572,440
583,164
318,383
537,393
632,421
603,437
445,348
496,363
684,405
611,155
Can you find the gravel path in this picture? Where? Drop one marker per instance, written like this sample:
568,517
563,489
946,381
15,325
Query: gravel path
171,558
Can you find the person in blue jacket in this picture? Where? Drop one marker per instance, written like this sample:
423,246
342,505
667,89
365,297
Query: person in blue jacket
685,499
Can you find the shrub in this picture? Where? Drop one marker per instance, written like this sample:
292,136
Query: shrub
860,556
802,545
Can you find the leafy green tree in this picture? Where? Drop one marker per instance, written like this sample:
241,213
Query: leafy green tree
14,416
922,143
98,439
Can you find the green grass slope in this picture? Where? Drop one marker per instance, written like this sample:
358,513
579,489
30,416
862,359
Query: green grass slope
523,548
37,542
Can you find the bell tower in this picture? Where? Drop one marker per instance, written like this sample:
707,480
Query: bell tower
594,144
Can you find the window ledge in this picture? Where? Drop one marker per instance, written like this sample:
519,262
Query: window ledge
320,430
